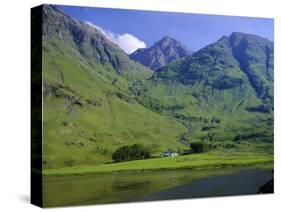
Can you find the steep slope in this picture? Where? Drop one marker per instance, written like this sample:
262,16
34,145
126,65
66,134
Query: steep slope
255,56
88,111
161,53
90,43
222,92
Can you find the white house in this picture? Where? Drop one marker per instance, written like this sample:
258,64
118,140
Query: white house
170,153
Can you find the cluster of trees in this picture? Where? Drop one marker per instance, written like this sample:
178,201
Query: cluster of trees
151,103
133,152
199,147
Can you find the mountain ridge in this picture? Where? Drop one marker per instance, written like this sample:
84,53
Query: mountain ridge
91,43
234,51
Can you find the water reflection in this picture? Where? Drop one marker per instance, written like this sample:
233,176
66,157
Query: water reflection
124,187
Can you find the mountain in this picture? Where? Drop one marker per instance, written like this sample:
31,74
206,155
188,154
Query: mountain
90,43
224,90
161,53
231,62
88,109
228,63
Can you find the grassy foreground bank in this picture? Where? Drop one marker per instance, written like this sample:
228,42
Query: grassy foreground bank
195,161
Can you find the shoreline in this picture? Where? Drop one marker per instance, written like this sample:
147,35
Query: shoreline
177,163
254,166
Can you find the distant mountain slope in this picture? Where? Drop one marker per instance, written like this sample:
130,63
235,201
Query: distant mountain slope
161,53
88,111
230,80
228,63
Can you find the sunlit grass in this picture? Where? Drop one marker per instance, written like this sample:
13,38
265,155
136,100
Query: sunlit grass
209,160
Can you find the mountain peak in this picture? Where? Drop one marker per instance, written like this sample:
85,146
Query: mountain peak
237,37
166,38
161,53
243,34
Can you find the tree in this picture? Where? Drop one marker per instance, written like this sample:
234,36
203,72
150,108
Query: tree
199,147
121,154
133,152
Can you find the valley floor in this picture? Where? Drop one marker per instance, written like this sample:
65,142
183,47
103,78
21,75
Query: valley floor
210,160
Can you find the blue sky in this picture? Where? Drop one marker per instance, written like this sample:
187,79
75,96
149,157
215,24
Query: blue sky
143,28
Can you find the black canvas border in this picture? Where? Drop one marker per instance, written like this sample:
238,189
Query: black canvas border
36,106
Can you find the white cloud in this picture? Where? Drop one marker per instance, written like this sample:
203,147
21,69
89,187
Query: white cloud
128,42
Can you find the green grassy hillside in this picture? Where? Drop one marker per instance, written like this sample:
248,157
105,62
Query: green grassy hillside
88,113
